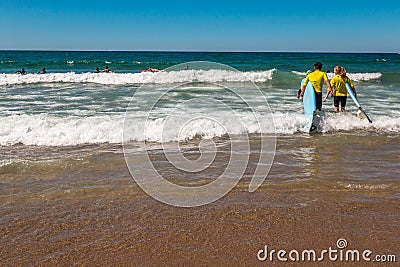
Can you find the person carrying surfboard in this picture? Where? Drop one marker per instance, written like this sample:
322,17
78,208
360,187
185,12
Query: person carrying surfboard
317,78
299,94
338,84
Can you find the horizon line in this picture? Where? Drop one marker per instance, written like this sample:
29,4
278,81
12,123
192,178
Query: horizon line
197,51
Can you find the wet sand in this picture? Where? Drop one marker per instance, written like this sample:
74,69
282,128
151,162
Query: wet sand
90,212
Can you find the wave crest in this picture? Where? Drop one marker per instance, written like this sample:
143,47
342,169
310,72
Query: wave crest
47,130
138,78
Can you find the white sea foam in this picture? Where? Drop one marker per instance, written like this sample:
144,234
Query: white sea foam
364,76
138,78
353,76
56,131
50,130
158,78
299,73
364,186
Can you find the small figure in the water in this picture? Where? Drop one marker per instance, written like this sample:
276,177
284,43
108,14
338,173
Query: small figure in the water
107,69
187,67
43,71
22,71
97,70
150,69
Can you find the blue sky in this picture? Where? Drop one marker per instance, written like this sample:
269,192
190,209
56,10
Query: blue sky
314,26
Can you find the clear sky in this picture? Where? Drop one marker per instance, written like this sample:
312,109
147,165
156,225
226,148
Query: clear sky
315,26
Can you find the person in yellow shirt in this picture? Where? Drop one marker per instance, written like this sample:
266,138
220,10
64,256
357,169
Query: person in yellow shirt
338,84
317,78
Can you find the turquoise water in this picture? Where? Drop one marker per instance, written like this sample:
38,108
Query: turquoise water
62,61
71,105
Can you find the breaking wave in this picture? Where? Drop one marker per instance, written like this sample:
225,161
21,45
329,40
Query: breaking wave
139,78
48,130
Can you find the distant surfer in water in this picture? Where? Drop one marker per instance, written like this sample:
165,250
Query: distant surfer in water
22,71
317,78
97,70
43,71
150,69
107,70
338,84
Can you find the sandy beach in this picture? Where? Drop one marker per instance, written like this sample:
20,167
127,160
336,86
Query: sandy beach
88,211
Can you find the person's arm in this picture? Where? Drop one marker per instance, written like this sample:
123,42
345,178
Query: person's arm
303,87
329,89
352,86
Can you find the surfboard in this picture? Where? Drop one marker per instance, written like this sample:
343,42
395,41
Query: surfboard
310,106
354,98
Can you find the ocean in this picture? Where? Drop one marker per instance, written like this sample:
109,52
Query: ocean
67,194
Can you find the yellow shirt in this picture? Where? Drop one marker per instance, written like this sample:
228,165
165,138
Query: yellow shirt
317,79
339,85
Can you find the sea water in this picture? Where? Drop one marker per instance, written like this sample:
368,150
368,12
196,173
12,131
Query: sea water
71,105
